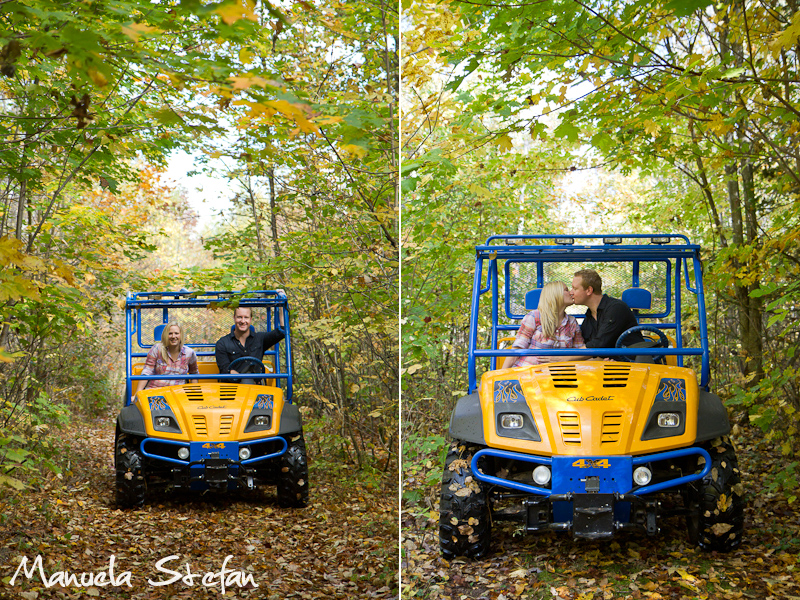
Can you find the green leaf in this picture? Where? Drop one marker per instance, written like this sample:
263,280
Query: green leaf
568,130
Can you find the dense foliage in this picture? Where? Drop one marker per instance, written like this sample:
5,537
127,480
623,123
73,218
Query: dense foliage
298,100
687,110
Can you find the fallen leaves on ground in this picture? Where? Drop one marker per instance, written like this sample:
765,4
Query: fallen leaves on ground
343,545
636,567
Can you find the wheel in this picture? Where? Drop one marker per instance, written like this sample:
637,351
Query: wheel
464,518
129,465
293,473
662,342
718,520
246,365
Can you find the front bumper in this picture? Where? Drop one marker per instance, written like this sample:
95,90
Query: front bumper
592,496
213,465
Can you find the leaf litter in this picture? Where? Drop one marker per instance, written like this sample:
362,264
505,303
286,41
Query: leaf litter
343,545
631,567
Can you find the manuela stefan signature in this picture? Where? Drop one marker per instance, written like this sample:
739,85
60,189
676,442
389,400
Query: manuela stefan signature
114,577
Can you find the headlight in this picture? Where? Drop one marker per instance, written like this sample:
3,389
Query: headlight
183,453
642,476
541,475
162,421
669,420
511,421
261,421
244,453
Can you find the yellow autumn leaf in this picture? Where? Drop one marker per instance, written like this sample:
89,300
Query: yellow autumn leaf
136,30
504,142
329,120
7,357
788,37
651,127
242,9
358,151
98,78
478,190
247,81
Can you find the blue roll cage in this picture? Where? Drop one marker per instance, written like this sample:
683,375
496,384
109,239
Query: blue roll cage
674,249
271,300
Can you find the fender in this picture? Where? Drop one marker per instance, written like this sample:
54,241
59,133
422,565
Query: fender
130,420
466,422
712,418
291,420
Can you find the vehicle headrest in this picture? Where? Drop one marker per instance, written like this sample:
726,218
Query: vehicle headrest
532,299
158,331
637,298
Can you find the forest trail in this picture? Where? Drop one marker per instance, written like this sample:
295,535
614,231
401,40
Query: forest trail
634,567
343,545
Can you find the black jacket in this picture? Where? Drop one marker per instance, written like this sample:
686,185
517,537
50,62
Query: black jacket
613,317
228,348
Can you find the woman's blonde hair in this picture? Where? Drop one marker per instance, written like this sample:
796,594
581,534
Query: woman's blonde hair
165,339
551,305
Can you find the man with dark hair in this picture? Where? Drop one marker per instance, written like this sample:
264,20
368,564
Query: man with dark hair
607,317
243,342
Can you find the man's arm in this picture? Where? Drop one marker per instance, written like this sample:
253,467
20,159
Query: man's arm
270,339
222,357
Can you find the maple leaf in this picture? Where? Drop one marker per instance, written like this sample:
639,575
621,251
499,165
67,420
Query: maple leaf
241,9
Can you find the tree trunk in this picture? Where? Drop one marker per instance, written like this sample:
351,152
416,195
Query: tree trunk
273,209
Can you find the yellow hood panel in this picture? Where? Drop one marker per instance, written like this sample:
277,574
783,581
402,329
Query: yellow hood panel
587,408
211,411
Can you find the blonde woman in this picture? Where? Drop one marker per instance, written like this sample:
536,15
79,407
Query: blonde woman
168,357
547,328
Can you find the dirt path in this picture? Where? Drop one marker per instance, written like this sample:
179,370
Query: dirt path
666,566
344,545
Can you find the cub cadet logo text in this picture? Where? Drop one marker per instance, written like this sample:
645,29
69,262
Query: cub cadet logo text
588,463
590,399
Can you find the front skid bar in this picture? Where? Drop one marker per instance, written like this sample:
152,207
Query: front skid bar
186,463
548,461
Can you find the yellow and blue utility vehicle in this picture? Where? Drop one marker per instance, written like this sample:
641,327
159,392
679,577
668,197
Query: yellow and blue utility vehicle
610,443
209,431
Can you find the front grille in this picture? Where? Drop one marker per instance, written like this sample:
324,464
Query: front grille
612,428
570,425
227,392
194,393
564,376
615,376
200,426
225,424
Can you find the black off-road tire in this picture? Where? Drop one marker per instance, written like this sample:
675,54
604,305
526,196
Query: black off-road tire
719,501
293,473
465,526
129,464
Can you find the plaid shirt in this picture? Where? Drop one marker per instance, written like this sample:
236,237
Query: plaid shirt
530,336
154,365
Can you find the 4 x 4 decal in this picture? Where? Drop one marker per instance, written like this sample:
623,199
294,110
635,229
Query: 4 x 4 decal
588,463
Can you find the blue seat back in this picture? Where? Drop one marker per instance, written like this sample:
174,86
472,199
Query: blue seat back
532,299
637,298
158,331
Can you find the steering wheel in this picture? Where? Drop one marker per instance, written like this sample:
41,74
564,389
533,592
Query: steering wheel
662,342
251,365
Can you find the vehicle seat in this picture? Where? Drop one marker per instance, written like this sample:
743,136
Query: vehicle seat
532,299
637,299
